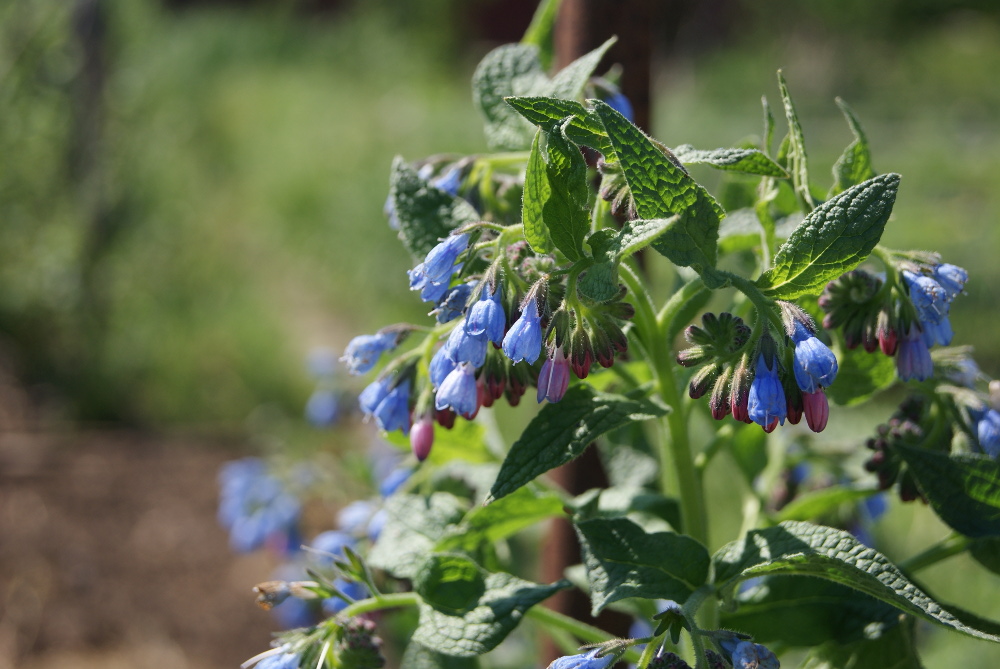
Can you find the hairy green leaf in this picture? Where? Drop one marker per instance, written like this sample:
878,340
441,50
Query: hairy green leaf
798,163
804,549
537,192
749,161
624,561
894,650
565,210
547,113
569,82
560,433
501,519
662,188
421,657
834,238
855,164
964,490
413,525
425,213
600,282
808,611
860,375
467,611
512,69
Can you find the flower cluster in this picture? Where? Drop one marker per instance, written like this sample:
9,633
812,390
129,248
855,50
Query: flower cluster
761,380
494,338
904,316
255,506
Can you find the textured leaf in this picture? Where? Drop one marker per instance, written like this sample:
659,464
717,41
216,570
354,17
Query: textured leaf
537,192
860,375
798,163
501,519
425,213
624,561
987,553
565,210
420,657
618,501
661,189
855,163
413,525
569,82
512,69
803,549
540,32
813,504
600,282
964,490
560,433
547,113
894,650
807,612
749,161
466,611
834,238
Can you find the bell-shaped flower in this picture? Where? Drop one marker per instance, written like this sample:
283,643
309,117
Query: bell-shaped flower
441,366
393,412
523,340
554,377
913,359
766,404
951,277
363,351
583,661
459,392
988,431
813,363
928,297
748,655
464,347
452,303
487,317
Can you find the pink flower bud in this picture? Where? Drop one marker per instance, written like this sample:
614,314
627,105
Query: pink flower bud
817,410
422,437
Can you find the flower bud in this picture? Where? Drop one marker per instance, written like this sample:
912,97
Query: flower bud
817,410
887,332
603,348
581,353
559,326
358,646
739,396
422,437
719,402
445,418
702,380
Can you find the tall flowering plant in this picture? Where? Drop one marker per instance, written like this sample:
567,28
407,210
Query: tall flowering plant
526,257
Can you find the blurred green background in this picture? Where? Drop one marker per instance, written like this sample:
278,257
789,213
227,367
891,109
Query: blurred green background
192,201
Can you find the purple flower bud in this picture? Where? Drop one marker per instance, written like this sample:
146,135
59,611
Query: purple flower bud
524,339
487,317
913,359
583,661
422,438
817,410
458,392
988,431
766,405
813,363
464,347
554,377
363,351
951,277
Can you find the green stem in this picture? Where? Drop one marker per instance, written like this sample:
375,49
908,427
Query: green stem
381,602
581,630
765,306
951,545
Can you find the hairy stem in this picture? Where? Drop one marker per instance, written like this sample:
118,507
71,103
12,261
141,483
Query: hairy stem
951,545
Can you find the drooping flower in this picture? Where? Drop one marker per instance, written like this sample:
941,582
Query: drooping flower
748,655
452,303
524,338
487,317
458,392
283,660
431,277
441,366
464,347
913,359
583,661
951,277
450,181
766,404
373,394
362,353
988,431
554,377
254,505
813,363
393,412
928,297
394,480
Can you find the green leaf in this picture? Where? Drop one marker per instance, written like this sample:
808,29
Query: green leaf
855,163
894,650
560,433
425,213
420,657
467,611
815,503
807,612
740,230
661,189
619,501
860,375
569,82
749,161
501,519
964,490
987,553
768,124
512,69
537,192
803,549
624,561
798,163
547,113
413,525
600,283
539,34
834,238
565,210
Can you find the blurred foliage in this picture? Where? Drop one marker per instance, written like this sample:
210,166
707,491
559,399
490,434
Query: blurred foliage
174,245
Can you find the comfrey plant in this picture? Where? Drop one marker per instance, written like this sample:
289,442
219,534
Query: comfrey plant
526,257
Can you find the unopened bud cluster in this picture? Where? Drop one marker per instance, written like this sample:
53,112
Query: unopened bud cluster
903,318
762,380
906,427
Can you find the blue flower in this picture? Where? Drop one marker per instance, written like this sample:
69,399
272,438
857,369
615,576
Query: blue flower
913,359
813,363
284,660
323,408
441,366
766,404
621,104
584,661
393,412
459,392
363,351
373,394
553,379
292,613
329,545
354,517
524,339
452,303
439,264
937,333
951,277
464,347
376,524
748,655
352,589
928,297
253,505
450,181
988,431
487,316
394,481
